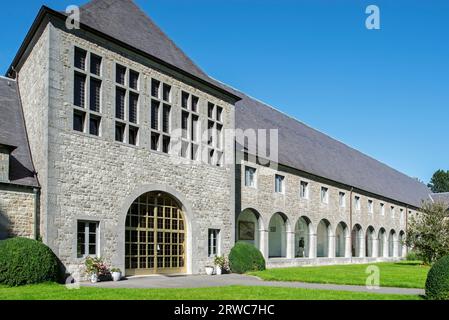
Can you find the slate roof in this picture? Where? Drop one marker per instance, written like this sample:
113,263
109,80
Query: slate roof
311,151
13,133
441,197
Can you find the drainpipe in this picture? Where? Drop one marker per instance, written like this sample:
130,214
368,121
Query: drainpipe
36,218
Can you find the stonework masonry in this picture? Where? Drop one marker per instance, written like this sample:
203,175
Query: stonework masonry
17,213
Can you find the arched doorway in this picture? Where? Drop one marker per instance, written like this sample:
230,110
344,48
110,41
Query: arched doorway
357,238
341,233
402,250
155,236
248,227
278,236
391,243
369,242
323,236
302,238
382,242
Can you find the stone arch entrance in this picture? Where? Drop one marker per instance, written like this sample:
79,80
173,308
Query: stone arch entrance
323,238
341,234
302,237
369,245
155,235
278,228
402,248
391,244
249,226
357,239
382,243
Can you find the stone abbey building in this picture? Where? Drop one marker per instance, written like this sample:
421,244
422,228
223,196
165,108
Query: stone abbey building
113,143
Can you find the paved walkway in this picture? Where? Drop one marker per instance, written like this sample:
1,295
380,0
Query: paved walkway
235,280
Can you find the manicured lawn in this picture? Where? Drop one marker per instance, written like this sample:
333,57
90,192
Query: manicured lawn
401,275
59,292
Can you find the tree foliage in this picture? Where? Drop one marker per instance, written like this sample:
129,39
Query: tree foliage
428,232
439,182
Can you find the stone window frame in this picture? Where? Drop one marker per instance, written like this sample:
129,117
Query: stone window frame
382,209
324,195
163,103
342,199
213,242
254,185
358,203
370,206
190,143
392,212
126,123
282,185
306,189
87,243
215,134
85,111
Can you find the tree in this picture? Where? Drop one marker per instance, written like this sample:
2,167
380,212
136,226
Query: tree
428,232
439,182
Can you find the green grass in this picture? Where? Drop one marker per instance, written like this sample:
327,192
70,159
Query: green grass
400,275
60,292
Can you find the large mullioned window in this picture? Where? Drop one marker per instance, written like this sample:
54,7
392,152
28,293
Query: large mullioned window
190,126
87,88
160,116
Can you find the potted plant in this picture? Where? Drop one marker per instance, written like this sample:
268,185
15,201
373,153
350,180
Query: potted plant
220,265
116,274
96,268
209,270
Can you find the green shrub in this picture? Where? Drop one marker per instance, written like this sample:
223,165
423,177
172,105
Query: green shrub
437,284
245,258
412,256
24,261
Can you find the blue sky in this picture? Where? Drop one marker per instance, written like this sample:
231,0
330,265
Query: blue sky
385,92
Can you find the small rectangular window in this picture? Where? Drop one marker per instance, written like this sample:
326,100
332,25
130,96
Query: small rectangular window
220,114
393,212
382,209
370,206
342,199
304,190
195,101
185,124
95,95
133,135
87,239
219,136
78,121
120,76
79,98
165,144
94,125
133,80
120,103
210,133
357,203
213,242
166,93
120,132
250,177
279,184
80,59
133,107
95,64
195,129
324,195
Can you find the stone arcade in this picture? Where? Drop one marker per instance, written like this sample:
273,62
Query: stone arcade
102,153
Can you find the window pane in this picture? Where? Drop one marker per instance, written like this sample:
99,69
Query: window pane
166,93
155,115
166,119
155,141
133,80
95,95
78,121
210,127
80,59
120,76
155,85
165,144
185,100
133,104
185,124
120,103
133,135
94,126
210,110
195,104
95,64
79,92
219,114
195,122
120,132
219,136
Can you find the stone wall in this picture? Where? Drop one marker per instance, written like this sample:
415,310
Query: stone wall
97,178
4,165
266,203
17,209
